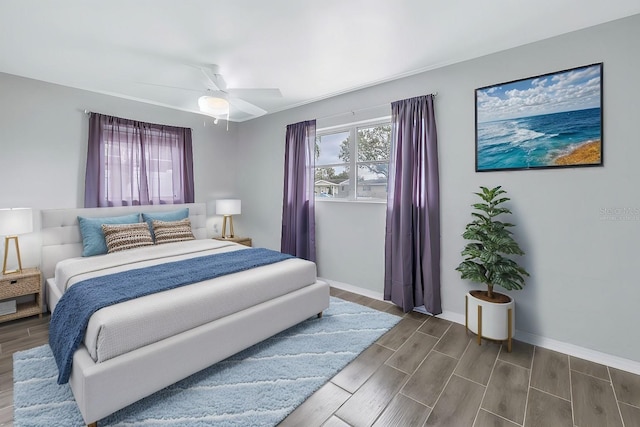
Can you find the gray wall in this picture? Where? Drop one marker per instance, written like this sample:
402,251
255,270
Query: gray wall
582,290
43,146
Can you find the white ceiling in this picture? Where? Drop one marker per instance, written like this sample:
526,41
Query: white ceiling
309,49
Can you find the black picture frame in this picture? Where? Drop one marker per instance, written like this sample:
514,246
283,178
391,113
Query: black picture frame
547,121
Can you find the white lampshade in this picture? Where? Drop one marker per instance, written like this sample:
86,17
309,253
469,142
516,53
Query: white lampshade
14,221
228,207
213,105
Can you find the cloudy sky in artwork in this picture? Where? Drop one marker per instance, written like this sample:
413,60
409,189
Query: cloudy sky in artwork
571,90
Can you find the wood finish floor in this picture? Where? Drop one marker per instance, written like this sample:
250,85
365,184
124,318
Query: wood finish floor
430,372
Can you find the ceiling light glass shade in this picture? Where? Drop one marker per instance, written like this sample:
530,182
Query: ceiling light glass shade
228,207
16,221
213,105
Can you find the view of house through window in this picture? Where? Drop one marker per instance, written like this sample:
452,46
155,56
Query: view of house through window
354,154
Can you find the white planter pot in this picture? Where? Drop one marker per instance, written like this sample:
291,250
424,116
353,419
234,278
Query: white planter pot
489,319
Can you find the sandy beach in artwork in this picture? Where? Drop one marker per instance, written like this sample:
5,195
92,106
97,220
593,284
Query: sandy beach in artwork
585,154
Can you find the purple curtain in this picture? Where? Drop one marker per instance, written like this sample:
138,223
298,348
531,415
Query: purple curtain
137,163
412,241
298,206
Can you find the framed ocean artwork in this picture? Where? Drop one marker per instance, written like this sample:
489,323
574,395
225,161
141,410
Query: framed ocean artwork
549,121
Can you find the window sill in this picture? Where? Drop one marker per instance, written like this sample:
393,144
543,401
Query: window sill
359,201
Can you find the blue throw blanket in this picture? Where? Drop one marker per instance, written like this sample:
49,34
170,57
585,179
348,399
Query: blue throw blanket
71,316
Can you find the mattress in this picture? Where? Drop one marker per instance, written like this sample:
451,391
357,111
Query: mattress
118,329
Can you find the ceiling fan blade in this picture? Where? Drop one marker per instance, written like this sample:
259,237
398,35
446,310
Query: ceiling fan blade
255,92
247,107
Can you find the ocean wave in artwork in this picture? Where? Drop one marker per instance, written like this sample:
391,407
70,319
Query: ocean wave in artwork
535,141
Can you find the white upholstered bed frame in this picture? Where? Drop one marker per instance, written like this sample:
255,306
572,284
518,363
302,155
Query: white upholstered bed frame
103,388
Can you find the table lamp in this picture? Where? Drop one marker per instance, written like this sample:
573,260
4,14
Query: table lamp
227,208
14,221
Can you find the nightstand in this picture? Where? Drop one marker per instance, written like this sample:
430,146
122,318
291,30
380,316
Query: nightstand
242,240
12,286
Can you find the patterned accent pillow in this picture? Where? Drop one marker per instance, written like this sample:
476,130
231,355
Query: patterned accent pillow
172,231
164,216
126,236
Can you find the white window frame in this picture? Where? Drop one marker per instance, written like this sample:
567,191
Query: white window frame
352,129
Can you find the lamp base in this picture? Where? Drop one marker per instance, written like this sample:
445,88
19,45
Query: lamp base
6,252
224,227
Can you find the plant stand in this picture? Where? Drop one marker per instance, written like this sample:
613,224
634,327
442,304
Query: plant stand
490,320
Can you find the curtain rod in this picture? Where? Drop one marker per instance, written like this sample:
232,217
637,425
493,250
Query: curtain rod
353,112
88,113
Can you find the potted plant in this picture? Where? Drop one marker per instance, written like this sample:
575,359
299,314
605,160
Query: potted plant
490,314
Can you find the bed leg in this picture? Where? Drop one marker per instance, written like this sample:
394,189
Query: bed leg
94,424
320,315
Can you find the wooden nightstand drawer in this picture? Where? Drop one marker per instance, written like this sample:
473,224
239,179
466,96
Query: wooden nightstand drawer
19,284
15,285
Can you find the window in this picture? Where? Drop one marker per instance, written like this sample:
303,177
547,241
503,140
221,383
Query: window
136,163
351,154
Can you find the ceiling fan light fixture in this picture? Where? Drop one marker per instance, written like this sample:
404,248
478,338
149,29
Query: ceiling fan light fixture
213,105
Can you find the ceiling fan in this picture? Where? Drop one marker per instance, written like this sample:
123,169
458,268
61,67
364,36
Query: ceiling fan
219,100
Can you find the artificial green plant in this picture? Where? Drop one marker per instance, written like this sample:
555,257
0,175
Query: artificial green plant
491,239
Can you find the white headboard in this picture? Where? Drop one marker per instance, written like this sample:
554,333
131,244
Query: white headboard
61,237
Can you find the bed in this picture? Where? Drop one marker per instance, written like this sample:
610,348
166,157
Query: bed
137,347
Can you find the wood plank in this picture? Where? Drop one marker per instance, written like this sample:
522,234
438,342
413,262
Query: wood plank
627,386
550,372
335,292
6,398
458,405
6,416
487,419
379,305
395,310
544,410
362,367
12,334
22,324
507,392
630,414
477,362
335,422
521,354
25,343
6,364
427,383
318,408
38,329
368,402
399,333
454,342
358,299
435,327
411,354
6,382
594,404
416,315
403,411
590,368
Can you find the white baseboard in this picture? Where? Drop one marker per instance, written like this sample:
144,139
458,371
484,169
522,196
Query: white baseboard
580,352
540,341
354,289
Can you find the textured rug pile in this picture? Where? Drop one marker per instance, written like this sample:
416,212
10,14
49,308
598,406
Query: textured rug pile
257,387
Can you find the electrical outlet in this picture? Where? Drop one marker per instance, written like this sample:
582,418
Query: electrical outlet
215,228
